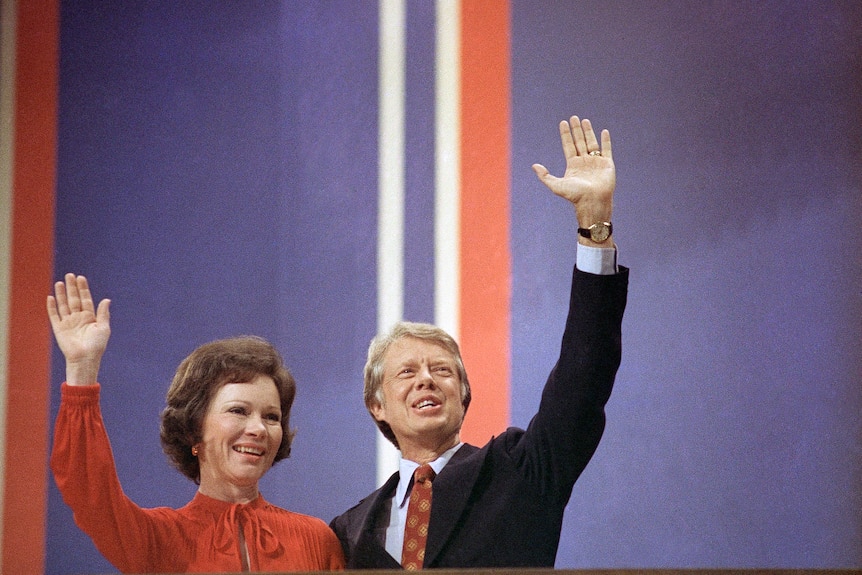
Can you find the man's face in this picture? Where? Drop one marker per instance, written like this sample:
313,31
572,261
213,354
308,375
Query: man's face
421,398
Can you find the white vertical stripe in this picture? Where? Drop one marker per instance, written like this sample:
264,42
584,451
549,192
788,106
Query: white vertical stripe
8,17
390,215
390,248
447,216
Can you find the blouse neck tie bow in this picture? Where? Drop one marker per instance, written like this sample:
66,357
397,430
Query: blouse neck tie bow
258,534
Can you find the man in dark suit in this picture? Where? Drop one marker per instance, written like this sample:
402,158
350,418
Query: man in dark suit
500,505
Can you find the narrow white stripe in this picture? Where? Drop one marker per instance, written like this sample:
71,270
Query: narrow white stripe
447,168
390,215
8,18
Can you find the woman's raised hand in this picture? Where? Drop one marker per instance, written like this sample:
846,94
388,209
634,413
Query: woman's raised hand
81,330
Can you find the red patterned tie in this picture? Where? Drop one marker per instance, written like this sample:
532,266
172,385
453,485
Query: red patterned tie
418,514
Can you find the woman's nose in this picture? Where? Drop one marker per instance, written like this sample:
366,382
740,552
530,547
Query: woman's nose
255,425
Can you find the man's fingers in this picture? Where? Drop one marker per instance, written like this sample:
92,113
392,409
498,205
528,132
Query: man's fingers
607,152
592,144
578,135
569,148
103,314
541,171
545,176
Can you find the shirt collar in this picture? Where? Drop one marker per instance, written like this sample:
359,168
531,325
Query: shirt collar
406,468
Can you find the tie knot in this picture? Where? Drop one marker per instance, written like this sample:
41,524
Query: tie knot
424,473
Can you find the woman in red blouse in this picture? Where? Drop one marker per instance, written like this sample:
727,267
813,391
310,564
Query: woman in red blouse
225,424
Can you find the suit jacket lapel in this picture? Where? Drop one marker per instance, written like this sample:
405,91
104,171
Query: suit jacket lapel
452,490
371,539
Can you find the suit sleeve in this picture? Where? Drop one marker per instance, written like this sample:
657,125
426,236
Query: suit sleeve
565,432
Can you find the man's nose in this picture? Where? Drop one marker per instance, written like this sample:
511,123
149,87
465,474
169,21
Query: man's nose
425,379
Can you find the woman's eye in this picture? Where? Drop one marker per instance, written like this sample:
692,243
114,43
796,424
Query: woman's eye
274,417
237,410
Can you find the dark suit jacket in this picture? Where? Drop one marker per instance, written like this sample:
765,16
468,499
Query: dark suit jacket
502,505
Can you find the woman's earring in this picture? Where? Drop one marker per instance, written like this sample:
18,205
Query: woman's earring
195,450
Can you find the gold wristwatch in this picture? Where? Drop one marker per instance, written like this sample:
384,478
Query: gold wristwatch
598,232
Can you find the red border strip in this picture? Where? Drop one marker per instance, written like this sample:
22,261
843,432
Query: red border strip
33,185
485,298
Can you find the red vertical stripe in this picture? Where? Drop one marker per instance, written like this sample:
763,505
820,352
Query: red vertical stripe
485,187
33,183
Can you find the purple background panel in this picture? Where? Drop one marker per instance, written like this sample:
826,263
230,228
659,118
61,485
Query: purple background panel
218,177
733,435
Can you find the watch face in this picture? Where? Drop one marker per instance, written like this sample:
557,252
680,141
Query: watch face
599,232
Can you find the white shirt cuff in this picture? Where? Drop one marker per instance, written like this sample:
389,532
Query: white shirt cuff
600,261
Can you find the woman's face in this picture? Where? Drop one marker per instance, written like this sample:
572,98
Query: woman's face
241,436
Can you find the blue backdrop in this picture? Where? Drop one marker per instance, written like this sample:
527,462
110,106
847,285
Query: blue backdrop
218,176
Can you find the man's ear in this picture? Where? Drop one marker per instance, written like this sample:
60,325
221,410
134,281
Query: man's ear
378,412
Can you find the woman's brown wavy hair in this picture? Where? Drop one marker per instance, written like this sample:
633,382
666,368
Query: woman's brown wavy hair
198,379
